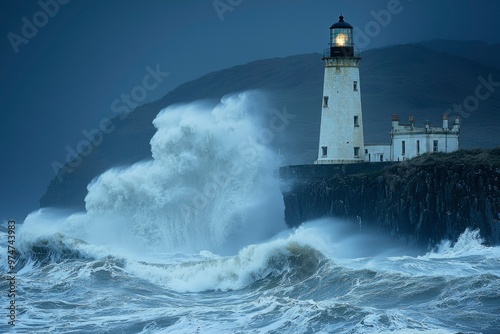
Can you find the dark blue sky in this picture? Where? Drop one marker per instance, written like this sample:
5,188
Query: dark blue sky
63,78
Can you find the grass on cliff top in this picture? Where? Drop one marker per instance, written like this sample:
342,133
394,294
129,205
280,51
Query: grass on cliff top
481,156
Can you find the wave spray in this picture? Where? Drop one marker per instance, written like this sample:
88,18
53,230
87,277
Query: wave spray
211,185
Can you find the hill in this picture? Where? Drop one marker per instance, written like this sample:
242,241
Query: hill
481,52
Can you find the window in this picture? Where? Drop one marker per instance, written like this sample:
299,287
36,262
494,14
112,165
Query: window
403,148
418,147
435,146
324,151
356,121
355,86
366,151
356,152
325,101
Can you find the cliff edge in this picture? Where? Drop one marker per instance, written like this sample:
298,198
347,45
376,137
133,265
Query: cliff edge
423,200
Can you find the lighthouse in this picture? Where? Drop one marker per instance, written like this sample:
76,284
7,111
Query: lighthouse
341,133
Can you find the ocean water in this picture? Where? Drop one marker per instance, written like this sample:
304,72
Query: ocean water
194,241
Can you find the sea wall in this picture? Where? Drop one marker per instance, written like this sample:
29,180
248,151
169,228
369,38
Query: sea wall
423,201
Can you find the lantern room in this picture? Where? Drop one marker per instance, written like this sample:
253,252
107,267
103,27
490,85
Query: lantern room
341,39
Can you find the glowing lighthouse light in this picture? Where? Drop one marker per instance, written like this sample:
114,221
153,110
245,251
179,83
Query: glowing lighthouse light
341,39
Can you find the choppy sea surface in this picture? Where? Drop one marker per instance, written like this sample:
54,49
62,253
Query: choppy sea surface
194,241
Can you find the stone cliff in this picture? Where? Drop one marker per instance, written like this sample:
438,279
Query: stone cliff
424,200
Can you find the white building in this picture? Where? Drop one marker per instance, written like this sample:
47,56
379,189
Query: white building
409,141
341,133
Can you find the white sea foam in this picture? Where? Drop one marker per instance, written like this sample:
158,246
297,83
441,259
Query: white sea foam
469,243
295,254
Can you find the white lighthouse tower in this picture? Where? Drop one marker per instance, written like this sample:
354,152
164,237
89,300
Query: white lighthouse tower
341,133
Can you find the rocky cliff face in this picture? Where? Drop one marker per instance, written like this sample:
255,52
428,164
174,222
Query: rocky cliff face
423,201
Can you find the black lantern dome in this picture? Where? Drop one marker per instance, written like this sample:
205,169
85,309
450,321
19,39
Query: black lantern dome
341,24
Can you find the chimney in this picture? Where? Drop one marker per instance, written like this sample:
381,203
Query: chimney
395,120
445,121
456,125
